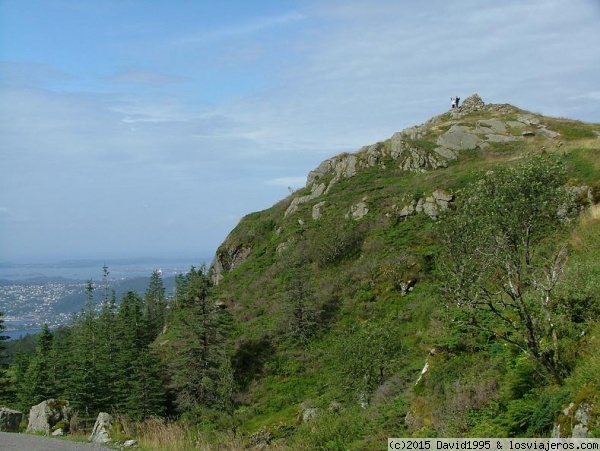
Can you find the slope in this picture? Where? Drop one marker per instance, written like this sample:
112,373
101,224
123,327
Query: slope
338,306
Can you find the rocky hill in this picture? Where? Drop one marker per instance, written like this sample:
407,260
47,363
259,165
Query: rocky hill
344,336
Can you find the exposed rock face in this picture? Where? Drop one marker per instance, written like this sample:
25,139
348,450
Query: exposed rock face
430,205
459,137
102,428
306,413
46,414
316,209
10,420
316,191
358,211
574,422
227,259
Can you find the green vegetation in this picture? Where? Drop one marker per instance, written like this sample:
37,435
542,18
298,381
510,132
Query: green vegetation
335,333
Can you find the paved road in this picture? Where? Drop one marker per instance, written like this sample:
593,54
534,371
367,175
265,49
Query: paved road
12,441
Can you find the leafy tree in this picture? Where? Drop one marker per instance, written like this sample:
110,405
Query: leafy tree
500,261
333,240
365,355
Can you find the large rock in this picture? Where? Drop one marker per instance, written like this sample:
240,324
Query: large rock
47,414
459,137
574,422
102,428
226,259
10,420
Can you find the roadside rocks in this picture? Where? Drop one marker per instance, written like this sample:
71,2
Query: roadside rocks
10,420
101,433
47,414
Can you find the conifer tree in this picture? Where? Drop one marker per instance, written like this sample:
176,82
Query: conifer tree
199,348
3,380
300,306
156,304
84,388
39,379
138,387
146,396
107,344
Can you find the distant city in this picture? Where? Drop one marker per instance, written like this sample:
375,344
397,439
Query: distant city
50,293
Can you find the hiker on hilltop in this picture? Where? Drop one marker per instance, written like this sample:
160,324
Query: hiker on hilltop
455,101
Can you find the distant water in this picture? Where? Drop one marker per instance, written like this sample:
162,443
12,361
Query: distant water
92,269
14,334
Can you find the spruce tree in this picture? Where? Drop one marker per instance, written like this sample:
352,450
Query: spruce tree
146,395
3,380
156,304
107,348
39,379
138,386
198,349
84,388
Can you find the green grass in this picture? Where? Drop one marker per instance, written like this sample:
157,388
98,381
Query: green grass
476,386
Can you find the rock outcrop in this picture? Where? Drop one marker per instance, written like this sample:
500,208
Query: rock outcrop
574,422
10,420
425,147
226,259
430,205
47,414
103,427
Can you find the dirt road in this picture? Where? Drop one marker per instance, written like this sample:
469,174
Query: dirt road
11,441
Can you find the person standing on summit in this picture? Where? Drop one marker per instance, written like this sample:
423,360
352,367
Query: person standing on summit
455,101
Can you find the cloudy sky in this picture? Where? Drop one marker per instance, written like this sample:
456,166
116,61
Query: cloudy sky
133,128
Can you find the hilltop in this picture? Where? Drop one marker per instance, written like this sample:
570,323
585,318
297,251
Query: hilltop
355,251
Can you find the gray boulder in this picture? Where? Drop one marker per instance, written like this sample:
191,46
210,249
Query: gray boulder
47,414
102,428
10,420
459,137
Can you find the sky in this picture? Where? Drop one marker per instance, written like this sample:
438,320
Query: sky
132,128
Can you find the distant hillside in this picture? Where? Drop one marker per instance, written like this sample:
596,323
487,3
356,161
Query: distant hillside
355,252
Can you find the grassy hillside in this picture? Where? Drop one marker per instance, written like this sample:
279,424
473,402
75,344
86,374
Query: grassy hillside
344,332
358,245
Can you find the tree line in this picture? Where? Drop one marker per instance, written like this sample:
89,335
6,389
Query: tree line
107,358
